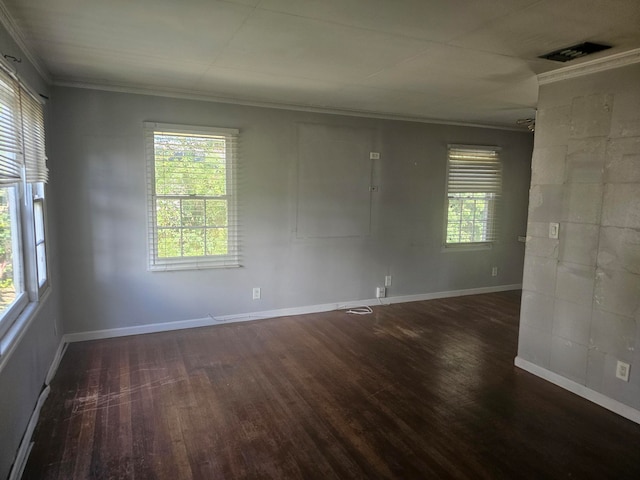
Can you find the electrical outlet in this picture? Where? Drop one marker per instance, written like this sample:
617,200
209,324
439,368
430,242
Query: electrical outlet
374,155
256,293
494,272
622,371
381,292
387,281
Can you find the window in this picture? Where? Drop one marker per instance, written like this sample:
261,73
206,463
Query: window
40,238
192,202
474,185
23,171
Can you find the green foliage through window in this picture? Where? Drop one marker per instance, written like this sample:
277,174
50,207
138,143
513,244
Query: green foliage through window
468,217
191,201
7,287
474,185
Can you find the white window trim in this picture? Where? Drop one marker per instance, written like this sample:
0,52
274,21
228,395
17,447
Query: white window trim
464,246
232,260
32,157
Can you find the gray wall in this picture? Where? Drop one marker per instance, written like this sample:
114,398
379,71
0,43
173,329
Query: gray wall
98,168
581,299
23,371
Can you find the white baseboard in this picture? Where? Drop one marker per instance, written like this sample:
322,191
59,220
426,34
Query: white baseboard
283,312
53,368
580,390
25,445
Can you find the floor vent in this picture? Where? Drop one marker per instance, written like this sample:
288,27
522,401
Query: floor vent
575,51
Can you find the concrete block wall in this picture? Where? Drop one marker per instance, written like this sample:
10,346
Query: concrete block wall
581,292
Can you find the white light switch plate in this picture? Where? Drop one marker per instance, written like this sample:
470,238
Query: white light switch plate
554,230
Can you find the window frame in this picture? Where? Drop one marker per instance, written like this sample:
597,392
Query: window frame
232,258
38,197
24,169
10,315
493,210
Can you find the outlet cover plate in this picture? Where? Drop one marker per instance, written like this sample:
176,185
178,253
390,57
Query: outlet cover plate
622,371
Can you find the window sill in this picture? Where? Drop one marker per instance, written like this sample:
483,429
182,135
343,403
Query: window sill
14,334
466,247
201,265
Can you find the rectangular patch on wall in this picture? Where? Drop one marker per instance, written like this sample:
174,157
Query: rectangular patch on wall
334,180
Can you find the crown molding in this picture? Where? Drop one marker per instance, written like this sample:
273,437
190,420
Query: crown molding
16,34
205,97
593,66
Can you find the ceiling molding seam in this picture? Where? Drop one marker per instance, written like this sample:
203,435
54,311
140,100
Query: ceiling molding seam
16,34
597,65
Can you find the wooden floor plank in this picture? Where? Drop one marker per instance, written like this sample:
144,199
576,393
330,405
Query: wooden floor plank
416,390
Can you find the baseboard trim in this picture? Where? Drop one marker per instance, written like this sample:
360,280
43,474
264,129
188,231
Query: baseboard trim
53,368
26,444
580,390
283,312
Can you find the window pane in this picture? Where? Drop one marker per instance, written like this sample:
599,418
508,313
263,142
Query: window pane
168,213
190,165
38,213
169,241
10,284
192,213
216,213
41,257
193,242
217,241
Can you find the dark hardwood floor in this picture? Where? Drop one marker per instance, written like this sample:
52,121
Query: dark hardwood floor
415,390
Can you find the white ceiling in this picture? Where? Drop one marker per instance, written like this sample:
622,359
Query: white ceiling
454,60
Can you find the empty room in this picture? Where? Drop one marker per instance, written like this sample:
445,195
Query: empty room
299,239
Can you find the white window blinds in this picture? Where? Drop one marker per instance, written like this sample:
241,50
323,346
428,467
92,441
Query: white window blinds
10,131
474,169
22,150
474,187
193,219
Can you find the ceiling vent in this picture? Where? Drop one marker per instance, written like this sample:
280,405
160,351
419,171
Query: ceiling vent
575,51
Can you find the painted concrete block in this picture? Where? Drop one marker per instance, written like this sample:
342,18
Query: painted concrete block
568,359
619,249
539,275
548,165
591,116
621,205
534,345
595,369
579,243
613,334
572,321
617,292
537,311
585,160
623,161
582,203
625,118
545,203
537,229
574,283
552,126
543,247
